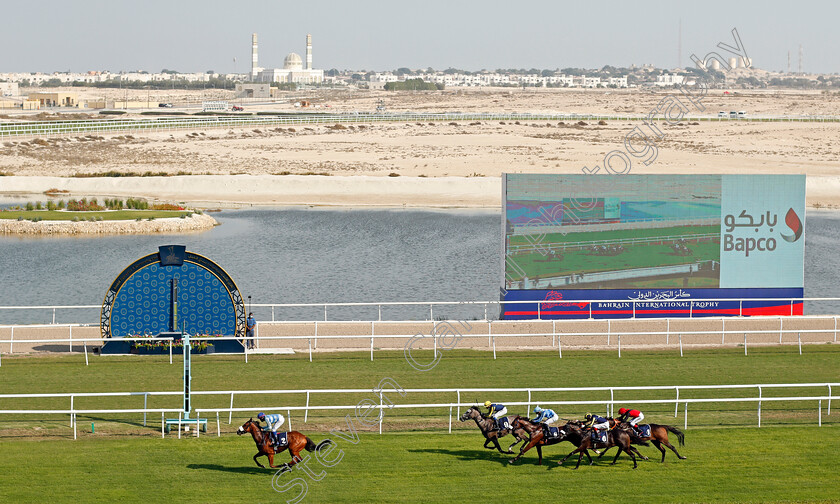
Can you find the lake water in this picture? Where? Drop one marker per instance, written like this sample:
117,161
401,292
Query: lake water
312,255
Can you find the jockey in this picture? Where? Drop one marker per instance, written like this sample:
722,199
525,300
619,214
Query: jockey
545,417
598,423
495,411
635,416
272,422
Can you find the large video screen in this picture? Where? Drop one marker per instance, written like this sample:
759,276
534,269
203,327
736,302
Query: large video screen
651,238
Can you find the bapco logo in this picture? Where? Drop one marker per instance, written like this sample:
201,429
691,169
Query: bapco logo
795,225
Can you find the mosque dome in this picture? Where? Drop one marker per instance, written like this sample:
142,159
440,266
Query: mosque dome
293,62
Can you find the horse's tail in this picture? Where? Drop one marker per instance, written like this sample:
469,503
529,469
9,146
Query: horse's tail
679,433
311,446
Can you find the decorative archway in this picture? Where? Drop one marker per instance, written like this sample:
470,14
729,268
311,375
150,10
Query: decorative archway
173,290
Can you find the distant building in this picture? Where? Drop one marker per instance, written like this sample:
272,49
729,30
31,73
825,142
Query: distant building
253,90
55,99
293,70
9,89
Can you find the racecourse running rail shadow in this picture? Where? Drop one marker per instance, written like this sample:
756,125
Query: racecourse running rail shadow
237,470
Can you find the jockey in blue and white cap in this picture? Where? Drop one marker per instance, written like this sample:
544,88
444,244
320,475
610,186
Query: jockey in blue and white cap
545,416
272,422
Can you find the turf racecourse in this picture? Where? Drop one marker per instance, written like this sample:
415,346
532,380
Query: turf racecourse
415,460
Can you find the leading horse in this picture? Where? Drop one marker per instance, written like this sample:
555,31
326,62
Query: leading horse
491,434
296,443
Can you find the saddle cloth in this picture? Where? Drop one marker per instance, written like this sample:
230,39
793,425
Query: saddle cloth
599,437
279,438
644,430
504,423
553,432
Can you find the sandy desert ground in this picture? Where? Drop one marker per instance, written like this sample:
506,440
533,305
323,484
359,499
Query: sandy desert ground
427,164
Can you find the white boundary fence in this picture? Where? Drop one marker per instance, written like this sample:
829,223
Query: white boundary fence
609,336
608,404
690,303
53,128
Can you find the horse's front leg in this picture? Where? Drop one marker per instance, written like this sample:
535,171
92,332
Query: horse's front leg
255,459
487,443
498,446
539,452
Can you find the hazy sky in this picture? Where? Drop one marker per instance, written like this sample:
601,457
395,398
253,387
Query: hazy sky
200,35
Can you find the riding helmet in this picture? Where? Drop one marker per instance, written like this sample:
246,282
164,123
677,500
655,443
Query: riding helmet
487,404
537,409
622,411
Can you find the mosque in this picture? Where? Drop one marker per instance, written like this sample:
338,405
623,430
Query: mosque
293,70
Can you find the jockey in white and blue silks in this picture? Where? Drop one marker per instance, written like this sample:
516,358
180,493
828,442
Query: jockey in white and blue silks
272,422
545,417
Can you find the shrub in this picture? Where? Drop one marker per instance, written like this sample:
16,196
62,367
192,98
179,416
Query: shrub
50,205
29,206
38,206
61,204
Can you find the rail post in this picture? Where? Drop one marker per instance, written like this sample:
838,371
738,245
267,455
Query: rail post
170,351
431,313
559,348
162,423
289,418
741,308
527,411
745,343
681,351
145,405
73,420
819,414
677,402
230,412
381,413
685,417
619,346
799,338
759,406
829,399
272,313
86,355
218,426
494,348
71,409
380,312
371,348
610,409
325,313
539,310
450,419
306,411
53,315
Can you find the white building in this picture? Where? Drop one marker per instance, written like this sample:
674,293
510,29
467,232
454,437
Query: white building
669,80
293,70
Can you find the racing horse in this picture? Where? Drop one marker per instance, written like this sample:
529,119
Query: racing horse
488,428
296,443
658,436
573,433
538,439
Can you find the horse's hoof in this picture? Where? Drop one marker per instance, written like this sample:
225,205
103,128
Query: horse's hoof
683,458
645,458
510,451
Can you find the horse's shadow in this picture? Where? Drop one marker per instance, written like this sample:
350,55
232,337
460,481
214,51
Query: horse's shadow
237,470
483,455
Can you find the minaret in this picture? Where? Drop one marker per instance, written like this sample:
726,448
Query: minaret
254,60
309,52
